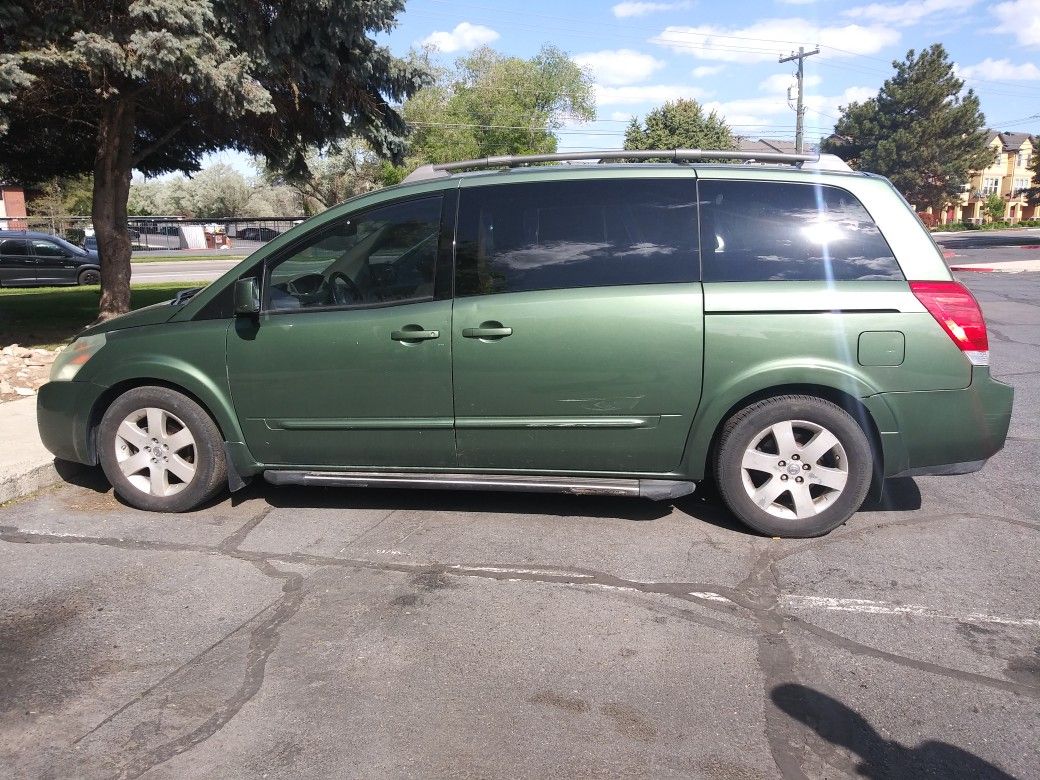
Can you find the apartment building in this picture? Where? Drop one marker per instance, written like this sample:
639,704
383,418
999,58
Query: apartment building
1008,176
12,204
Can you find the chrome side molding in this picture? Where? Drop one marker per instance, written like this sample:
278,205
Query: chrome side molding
654,489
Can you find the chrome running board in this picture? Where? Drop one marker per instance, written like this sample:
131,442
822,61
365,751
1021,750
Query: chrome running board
656,489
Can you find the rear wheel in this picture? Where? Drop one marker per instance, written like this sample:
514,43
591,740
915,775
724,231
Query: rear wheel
90,276
793,466
161,451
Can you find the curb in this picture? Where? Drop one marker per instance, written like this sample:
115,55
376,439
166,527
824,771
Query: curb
16,486
979,268
25,464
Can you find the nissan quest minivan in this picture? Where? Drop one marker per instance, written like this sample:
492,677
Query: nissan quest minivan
784,327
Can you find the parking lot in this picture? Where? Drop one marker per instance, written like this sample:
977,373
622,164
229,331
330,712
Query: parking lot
314,633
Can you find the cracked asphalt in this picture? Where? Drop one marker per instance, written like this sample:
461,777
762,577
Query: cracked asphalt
299,633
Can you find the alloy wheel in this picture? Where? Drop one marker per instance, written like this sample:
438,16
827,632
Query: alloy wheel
156,452
794,469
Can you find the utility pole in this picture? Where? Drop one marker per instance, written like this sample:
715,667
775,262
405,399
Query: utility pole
800,110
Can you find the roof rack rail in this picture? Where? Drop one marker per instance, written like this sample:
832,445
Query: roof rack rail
671,155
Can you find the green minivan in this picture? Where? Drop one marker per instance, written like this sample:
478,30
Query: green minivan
783,326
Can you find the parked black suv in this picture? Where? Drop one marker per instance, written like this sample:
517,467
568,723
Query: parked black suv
29,259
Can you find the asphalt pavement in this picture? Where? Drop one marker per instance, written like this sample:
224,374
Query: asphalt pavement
306,633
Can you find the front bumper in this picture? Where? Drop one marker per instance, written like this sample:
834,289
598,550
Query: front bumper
63,412
945,431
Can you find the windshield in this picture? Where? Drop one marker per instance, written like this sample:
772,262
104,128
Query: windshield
68,246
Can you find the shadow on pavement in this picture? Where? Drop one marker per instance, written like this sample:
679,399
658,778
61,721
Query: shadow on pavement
879,757
899,495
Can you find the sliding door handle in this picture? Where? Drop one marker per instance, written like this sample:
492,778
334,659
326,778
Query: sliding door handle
488,330
414,333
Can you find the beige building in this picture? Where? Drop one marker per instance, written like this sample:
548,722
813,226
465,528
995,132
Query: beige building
1008,175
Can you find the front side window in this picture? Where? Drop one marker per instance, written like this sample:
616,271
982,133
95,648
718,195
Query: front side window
43,248
764,231
560,235
386,255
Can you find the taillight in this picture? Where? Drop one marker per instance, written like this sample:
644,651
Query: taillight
957,311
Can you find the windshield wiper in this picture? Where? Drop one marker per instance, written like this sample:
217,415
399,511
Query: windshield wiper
184,296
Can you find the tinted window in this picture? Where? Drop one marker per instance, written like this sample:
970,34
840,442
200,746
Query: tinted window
384,255
46,249
553,235
14,246
758,231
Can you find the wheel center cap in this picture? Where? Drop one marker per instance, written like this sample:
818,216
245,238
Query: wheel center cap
793,469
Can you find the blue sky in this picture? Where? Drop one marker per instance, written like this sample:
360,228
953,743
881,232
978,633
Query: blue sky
642,53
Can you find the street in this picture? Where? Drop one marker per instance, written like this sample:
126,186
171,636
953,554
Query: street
296,633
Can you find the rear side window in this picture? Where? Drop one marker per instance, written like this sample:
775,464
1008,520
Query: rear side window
14,246
762,231
557,235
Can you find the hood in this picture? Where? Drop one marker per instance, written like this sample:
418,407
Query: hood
149,315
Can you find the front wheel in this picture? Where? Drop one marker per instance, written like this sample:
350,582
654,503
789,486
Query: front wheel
793,466
90,276
161,451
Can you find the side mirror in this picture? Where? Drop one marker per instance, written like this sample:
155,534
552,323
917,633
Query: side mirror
247,296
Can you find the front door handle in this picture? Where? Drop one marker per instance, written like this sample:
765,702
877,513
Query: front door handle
414,333
487,330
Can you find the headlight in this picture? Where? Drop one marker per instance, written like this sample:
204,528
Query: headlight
71,359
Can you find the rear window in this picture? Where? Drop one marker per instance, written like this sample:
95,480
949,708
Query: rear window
763,231
557,235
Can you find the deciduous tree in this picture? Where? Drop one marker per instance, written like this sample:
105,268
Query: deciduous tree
922,130
682,124
491,104
153,85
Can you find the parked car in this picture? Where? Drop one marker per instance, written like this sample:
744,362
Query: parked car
256,234
29,259
788,330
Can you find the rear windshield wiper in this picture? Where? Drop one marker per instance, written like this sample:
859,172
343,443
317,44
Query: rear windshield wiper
184,296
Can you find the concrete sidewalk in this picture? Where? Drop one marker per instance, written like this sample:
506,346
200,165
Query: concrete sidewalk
25,464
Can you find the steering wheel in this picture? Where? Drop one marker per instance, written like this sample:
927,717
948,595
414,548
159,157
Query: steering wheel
344,291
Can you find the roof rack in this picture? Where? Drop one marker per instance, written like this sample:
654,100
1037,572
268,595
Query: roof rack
670,155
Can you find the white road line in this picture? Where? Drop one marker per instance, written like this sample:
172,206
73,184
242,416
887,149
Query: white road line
510,570
871,607
708,596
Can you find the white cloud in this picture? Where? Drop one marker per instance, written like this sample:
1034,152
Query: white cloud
779,82
622,116
1021,18
1000,70
464,37
707,70
625,10
765,39
774,110
797,2
650,93
908,13
619,66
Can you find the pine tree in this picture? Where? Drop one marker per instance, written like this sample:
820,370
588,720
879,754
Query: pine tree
919,131
679,125
153,85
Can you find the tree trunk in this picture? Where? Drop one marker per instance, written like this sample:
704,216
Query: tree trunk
112,170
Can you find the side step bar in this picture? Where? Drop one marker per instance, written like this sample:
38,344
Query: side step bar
654,489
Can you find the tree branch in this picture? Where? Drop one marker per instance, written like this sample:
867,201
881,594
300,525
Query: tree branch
159,143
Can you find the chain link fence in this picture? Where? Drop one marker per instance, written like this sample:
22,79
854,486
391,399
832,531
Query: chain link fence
158,235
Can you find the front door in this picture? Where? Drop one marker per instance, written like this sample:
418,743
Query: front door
17,265
578,325
54,265
349,362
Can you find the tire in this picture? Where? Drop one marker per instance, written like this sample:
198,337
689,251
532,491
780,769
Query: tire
90,276
793,466
173,461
